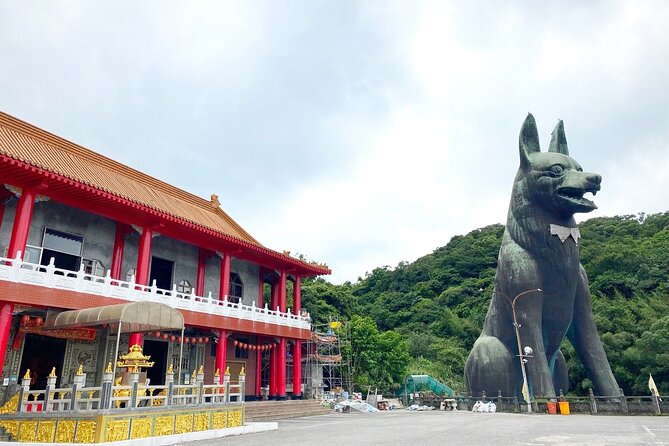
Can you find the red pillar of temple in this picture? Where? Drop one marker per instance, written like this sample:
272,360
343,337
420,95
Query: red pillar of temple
199,278
297,369
272,354
281,353
282,291
258,386
297,347
297,295
224,289
281,370
24,211
116,269
142,273
272,373
221,352
259,352
261,291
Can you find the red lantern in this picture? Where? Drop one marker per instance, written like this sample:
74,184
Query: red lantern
235,342
25,319
186,340
39,321
200,340
173,338
165,336
156,334
179,339
206,340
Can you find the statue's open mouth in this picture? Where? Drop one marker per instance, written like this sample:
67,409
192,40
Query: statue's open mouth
575,197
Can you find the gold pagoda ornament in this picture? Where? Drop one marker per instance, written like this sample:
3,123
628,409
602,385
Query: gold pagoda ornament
134,360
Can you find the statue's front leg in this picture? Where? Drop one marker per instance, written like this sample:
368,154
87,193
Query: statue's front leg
585,339
529,316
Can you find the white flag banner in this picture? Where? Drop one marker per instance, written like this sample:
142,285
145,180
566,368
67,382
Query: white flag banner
653,388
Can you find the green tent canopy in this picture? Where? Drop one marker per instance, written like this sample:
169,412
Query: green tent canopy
424,383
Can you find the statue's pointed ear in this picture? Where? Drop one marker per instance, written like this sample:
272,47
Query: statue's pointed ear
528,141
559,140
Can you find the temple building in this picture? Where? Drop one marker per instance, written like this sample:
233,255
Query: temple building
80,231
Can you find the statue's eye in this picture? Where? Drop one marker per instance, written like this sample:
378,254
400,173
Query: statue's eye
556,169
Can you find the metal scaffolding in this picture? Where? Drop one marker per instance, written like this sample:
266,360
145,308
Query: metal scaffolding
325,370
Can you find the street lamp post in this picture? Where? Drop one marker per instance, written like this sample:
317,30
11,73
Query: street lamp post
521,354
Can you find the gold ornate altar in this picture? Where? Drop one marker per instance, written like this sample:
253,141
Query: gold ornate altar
99,428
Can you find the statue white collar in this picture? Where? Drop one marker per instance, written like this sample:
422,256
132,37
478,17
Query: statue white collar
563,232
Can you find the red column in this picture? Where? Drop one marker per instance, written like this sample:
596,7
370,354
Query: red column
24,212
297,295
143,258
297,347
116,269
281,353
224,289
272,373
261,291
142,274
261,304
281,370
297,369
222,351
199,279
258,368
20,230
6,309
282,291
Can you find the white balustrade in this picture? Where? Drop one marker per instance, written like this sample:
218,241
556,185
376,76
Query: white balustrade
16,270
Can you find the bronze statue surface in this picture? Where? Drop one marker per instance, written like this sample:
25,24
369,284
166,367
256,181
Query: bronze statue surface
541,290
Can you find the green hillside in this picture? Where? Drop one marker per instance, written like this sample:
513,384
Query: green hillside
423,317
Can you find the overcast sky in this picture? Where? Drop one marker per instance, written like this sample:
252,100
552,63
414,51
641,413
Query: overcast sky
358,133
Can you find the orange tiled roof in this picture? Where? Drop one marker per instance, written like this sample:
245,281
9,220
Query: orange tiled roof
39,148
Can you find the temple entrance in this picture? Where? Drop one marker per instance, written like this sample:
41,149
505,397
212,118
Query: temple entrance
161,272
158,352
40,355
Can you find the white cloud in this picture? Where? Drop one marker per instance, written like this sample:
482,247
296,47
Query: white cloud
358,134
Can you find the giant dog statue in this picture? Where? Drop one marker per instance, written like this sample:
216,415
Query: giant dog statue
539,268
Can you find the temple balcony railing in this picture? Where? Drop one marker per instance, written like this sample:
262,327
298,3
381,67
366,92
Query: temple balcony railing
16,270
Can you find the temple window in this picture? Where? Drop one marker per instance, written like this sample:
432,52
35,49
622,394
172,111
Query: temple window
93,267
65,248
184,287
236,288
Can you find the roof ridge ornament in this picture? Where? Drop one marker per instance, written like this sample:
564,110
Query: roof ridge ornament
214,201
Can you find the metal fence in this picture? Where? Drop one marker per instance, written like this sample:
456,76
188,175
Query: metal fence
593,404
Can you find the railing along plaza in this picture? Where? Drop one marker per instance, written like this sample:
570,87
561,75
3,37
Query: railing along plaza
16,270
111,396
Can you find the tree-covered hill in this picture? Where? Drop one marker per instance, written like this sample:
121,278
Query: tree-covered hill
423,317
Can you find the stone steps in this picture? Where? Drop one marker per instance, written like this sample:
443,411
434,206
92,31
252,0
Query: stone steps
279,410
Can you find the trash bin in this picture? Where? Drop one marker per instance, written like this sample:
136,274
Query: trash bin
564,407
552,407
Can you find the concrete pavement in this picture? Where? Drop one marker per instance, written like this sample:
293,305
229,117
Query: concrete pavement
459,428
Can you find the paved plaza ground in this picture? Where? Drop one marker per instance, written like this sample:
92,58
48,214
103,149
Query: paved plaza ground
458,428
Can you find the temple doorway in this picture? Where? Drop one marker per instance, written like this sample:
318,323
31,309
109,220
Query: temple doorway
158,352
161,272
40,355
